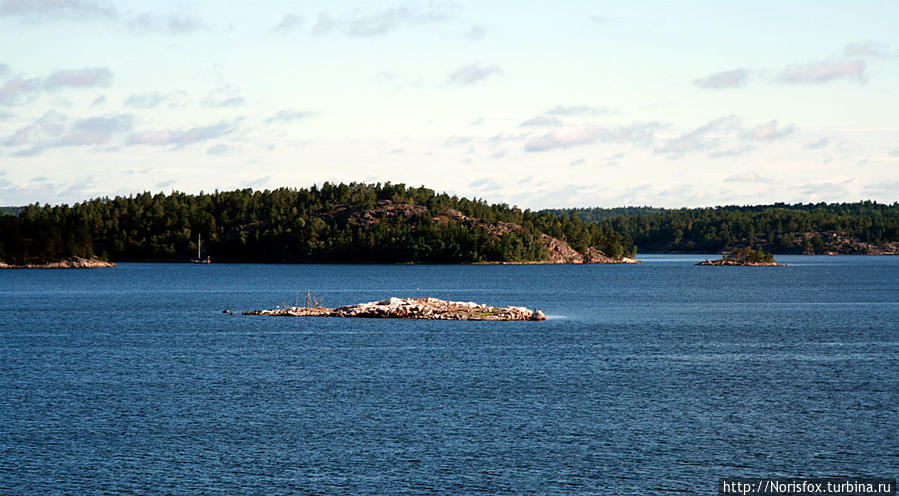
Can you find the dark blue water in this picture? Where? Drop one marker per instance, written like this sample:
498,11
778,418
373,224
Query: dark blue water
646,379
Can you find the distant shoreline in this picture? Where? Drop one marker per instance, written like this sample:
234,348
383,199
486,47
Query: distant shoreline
96,263
69,263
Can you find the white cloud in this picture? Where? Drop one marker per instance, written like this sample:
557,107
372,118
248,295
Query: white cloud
290,115
385,21
550,118
866,49
572,110
563,138
219,150
473,73
767,132
53,130
748,177
542,121
14,91
704,138
289,23
824,71
722,137
816,145
234,101
153,99
485,184
171,24
723,80
88,77
475,33
388,20
179,138
55,9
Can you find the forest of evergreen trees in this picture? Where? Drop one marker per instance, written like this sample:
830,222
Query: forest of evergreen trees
330,224
781,228
293,225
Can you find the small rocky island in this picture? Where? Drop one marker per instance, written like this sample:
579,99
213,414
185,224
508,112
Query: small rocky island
409,308
68,263
745,256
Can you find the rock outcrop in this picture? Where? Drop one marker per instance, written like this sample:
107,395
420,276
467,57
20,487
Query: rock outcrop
411,308
559,251
70,263
743,263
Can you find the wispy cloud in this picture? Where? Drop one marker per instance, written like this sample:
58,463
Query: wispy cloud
473,73
388,20
95,130
723,137
866,49
768,131
563,138
571,110
731,152
289,115
219,150
256,183
171,24
888,189
14,91
485,184
53,130
824,71
550,118
385,21
179,138
233,101
154,99
289,23
5,70
542,121
748,177
834,191
476,33
703,138
817,145
88,77
40,10
723,80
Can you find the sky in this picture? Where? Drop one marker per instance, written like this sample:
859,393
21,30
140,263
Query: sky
583,103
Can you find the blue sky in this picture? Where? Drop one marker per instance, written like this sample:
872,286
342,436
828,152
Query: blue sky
670,104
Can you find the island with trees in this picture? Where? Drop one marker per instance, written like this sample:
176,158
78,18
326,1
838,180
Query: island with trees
861,228
393,223
333,223
745,256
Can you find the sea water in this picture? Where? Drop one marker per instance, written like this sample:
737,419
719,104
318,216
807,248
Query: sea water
645,379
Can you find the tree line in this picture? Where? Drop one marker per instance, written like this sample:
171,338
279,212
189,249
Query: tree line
782,228
295,225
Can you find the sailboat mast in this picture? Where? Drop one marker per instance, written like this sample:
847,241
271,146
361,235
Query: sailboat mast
199,245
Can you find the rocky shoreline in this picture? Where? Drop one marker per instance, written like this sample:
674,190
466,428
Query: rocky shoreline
743,263
410,308
70,263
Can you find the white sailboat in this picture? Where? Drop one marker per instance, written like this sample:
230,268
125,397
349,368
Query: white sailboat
200,259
